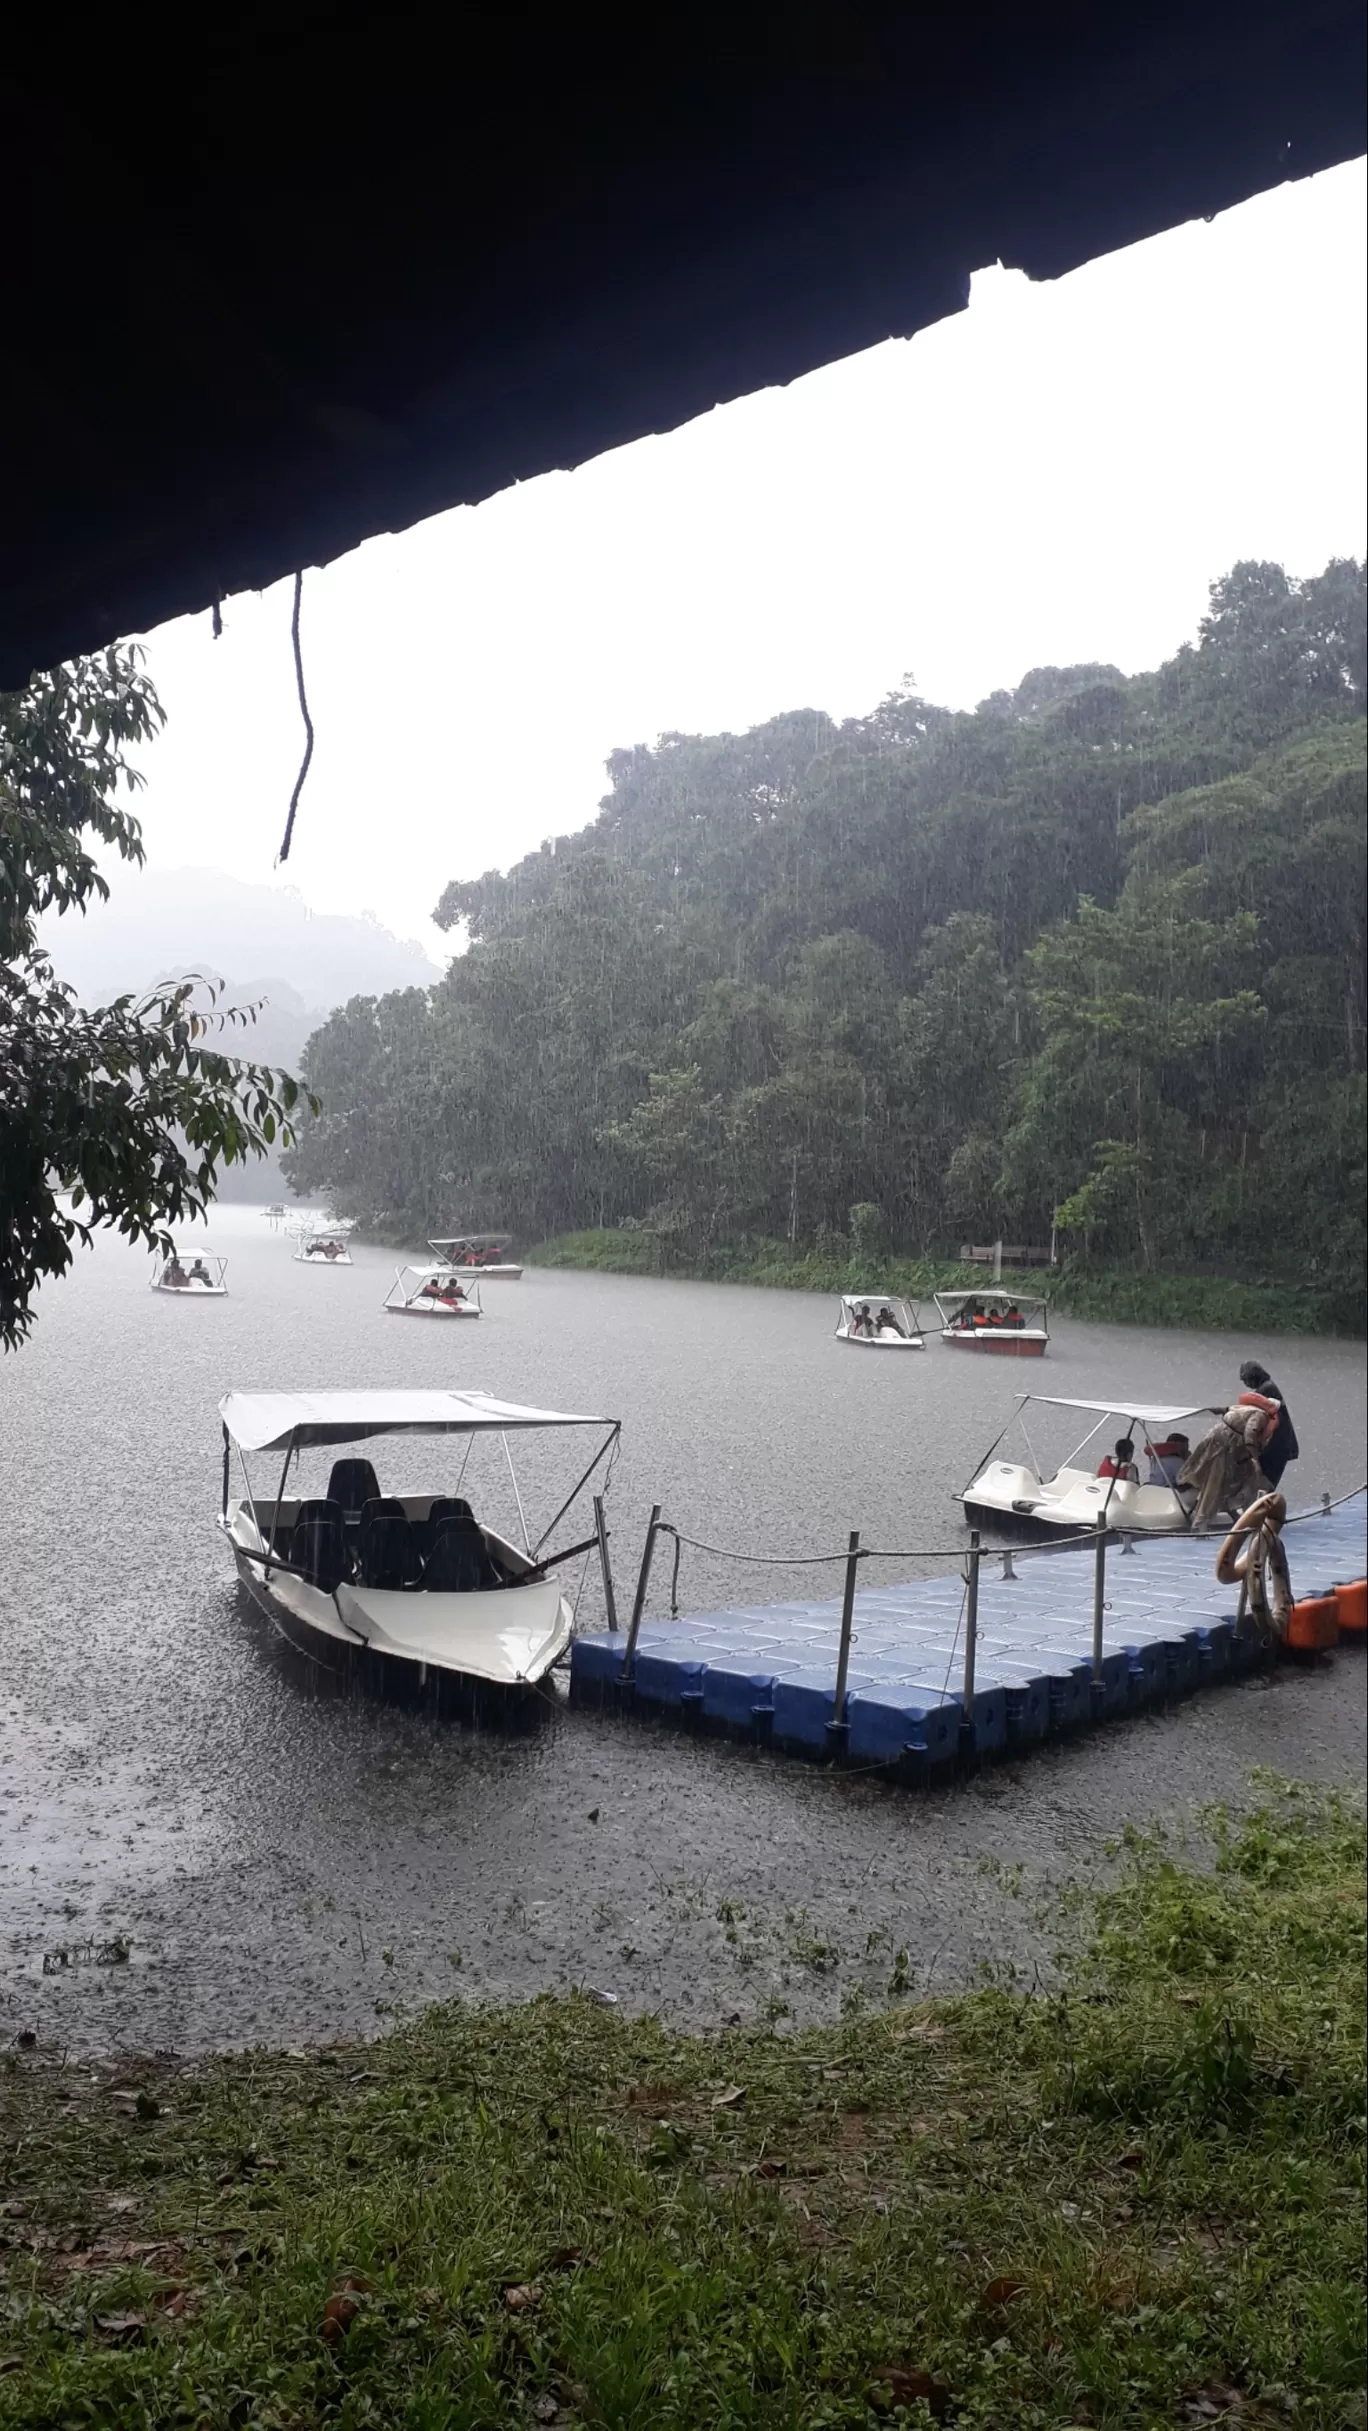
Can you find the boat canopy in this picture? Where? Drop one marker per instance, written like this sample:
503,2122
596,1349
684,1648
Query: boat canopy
471,1240
1149,1413
266,1422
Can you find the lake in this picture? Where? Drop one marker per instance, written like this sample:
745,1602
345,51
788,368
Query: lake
283,1862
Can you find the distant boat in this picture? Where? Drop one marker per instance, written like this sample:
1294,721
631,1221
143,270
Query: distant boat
877,1321
191,1274
432,1291
479,1253
1014,1325
398,1586
323,1248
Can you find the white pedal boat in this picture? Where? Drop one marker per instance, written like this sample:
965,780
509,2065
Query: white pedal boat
408,1585
479,1253
1005,1324
327,1248
431,1291
191,1274
876,1321
1074,1496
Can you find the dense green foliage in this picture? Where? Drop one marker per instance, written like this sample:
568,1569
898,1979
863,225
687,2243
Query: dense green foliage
124,1107
1094,953
1136,2200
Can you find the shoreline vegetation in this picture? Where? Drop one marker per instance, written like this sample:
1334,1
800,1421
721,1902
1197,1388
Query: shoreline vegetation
1133,2197
1214,1303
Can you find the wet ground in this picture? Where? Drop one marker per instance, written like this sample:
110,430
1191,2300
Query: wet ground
200,1843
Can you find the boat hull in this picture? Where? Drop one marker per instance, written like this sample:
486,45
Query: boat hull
301,1258
191,1291
507,1640
876,1342
493,1274
433,1308
998,1346
1008,1492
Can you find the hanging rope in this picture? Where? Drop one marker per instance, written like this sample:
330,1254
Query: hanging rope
284,852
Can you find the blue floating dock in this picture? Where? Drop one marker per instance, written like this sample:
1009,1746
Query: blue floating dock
768,1671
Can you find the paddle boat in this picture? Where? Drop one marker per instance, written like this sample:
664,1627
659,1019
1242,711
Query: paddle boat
323,1245
191,1274
1084,1489
399,1586
1014,1325
878,1321
432,1291
480,1253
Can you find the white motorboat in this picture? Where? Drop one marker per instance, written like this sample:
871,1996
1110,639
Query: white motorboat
878,1321
432,1291
326,1246
1012,1325
191,1274
1079,1491
400,1585
479,1253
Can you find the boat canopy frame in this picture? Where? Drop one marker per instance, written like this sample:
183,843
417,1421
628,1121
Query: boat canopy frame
296,1422
1136,1413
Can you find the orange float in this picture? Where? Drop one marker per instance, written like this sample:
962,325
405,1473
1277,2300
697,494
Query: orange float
1351,1606
1313,1626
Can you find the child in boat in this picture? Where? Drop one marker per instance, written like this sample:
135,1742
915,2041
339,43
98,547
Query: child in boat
1120,1462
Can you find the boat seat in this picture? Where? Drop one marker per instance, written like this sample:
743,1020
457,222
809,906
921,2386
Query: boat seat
458,1561
352,1485
318,1545
389,1551
444,1506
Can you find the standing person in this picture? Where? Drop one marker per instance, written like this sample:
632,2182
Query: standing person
1282,1445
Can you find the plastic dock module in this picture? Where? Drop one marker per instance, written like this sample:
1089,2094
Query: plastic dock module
767,1672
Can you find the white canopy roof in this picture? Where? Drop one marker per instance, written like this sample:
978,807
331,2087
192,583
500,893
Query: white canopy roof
266,1422
879,1299
469,1240
981,1291
1148,1413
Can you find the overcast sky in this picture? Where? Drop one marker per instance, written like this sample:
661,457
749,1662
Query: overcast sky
1055,474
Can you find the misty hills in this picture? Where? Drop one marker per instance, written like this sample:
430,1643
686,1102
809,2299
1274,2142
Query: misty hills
159,923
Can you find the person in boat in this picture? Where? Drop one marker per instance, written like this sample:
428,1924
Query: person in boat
1282,1445
199,1272
887,1323
861,1322
175,1276
1014,1316
1223,1465
1120,1462
1166,1460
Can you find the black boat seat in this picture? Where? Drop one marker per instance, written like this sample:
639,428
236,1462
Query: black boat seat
352,1485
318,1545
458,1561
389,1550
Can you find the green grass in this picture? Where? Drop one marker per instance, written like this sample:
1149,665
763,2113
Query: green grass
1134,2202
1257,1307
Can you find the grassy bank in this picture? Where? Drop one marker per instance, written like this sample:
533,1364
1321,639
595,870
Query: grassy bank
1258,1307
1134,2204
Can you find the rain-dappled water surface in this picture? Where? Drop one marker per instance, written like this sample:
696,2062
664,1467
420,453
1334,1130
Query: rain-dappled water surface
280,1861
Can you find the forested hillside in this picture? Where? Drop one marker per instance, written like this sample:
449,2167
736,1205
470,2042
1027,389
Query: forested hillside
1093,953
